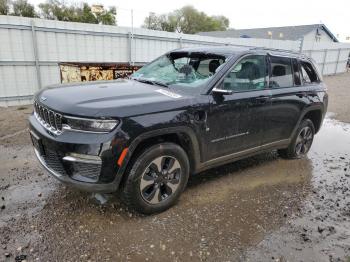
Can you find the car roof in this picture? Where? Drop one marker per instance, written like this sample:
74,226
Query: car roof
229,50
220,50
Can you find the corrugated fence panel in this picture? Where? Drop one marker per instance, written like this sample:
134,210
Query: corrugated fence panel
119,50
317,55
17,80
16,45
330,57
50,74
58,41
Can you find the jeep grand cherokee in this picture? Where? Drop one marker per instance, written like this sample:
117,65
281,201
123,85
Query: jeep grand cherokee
187,111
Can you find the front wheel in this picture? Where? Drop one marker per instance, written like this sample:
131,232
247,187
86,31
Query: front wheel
156,179
301,142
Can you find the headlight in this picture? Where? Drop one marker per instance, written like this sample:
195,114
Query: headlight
89,125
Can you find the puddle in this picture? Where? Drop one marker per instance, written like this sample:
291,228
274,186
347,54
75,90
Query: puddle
321,232
333,138
222,211
25,187
263,203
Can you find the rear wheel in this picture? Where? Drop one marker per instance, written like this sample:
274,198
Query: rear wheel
301,142
157,178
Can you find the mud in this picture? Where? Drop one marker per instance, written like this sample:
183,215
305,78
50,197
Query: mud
260,209
321,231
339,96
13,123
256,209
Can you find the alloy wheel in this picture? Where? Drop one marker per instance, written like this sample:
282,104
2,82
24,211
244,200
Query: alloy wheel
304,141
160,179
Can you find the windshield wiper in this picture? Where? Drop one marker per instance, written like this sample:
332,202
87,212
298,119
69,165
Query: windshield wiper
151,82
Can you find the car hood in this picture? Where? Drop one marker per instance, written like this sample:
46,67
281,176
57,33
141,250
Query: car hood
118,98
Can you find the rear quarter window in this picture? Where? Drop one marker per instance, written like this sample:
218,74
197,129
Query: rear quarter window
309,75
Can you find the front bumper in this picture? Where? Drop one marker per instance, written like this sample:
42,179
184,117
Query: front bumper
54,154
84,186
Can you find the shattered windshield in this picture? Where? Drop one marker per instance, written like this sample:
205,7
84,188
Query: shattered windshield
183,68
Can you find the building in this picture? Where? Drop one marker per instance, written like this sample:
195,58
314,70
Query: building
315,32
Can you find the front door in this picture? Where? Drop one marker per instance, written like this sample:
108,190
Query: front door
234,122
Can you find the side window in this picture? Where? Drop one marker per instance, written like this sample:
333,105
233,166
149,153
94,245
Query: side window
249,74
296,72
281,72
309,75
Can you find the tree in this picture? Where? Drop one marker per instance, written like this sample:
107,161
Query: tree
160,22
58,10
107,17
23,8
223,21
84,15
54,10
151,21
168,23
4,7
186,20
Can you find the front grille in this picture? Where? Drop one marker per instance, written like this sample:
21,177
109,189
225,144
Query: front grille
53,161
51,120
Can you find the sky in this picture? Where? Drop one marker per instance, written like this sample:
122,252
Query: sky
243,14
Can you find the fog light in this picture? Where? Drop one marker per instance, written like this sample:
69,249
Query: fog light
84,168
82,158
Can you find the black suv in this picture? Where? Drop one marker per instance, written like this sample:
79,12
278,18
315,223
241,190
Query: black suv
189,110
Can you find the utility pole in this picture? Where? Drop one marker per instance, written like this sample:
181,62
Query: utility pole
132,33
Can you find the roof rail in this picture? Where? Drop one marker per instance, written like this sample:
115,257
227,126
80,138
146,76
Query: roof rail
278,50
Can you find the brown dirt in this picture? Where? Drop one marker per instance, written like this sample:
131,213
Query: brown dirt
13,123
339,96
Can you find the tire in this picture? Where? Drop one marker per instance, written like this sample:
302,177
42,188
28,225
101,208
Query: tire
149,190
301,142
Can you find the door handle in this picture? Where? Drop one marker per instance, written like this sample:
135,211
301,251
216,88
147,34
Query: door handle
262,99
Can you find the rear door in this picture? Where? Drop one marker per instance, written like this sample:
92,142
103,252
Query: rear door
235,121
288,99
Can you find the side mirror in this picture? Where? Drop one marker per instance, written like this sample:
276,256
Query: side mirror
219,91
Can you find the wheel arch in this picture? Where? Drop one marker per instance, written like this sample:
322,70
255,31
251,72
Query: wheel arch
316,118
183,136
315,113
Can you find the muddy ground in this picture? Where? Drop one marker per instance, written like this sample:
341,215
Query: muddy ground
259,209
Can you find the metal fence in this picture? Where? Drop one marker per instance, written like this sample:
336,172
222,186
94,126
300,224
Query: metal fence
31,50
